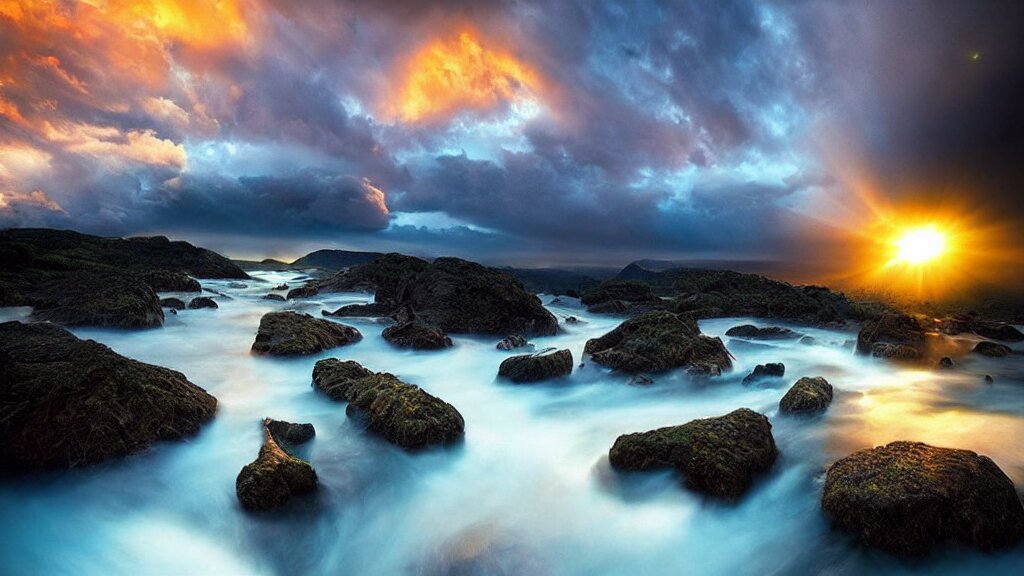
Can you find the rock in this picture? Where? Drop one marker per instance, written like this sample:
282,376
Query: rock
983,328
641,380
907,497
621,297
202,302
609,307
992,349
534,367
658,341
455,295
108,300
302,292
899,330
411,332
274,477
275,297
403,414
291,333
718,456
988,379
281,286
69,403
766,333
572,320
361,310
946,362
769,370
894,351
171,281
238,285
512,342
289,433
808,340
172,303
481,550
806,396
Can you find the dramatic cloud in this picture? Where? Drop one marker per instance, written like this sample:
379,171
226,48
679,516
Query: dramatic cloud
613,129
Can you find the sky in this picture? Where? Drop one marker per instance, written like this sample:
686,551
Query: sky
541,133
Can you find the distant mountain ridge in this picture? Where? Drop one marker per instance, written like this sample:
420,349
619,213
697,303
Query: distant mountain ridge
327,260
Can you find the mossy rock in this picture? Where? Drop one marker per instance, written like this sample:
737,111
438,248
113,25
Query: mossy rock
200,302
288,432
807,395
764,371
536,367
411,332
659,341
172,303
71,402
992,349
762,333
401,413
718,456
291,333
274,477
171,281
89,299
907,497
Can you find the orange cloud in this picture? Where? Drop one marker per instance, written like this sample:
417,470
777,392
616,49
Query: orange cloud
451,75
9,201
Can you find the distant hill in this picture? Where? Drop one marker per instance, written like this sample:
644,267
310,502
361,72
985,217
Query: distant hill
335,259
553,280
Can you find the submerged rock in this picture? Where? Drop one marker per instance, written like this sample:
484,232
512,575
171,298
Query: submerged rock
70,402
275,297
992,349
281,286
659,341
172,303
403,414
766,333
718,456
274,477
411,332
906,497
898,332
807,395
534,367
512,342
291,333
202,302
761,371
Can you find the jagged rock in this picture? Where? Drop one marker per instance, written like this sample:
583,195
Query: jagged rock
281,286
535,367
291,333
288,432
766,333
658,341
70,402
171,281
898,331
91,299
274,477
512,342
946,362
403,414
907,497
411,332
769,370
302,292
620,297
202,302
275,297
718,456
807,395
992,349
983,328
894,351
172,303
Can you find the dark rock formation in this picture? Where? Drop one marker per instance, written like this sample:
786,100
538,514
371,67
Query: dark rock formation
807,395
808,340
535,367
202,302
983,328
718,456
766,333
455,295
894,329
302,292
274,477
171,281
907,497
411,332
403,414
275,297
946,362
172,303
70,402
992,349
97,299
334,260
621,296
281,286
512,342
289,433
658,341
292,333
769,370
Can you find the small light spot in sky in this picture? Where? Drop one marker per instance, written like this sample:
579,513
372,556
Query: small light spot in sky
975,56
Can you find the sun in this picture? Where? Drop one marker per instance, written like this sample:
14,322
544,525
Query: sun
920,245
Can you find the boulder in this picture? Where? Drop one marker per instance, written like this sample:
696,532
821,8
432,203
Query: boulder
275,297
895,351
946,362
907,497
171,281
281,286
769,370
808,340
717,456
202,302
512,342
411,332
274,477
899,330
69,402
983,328
534,367
291,333
766,333
806,396
172,303
108,300
288,432
302,292
403,414
621,297
659,341
993,349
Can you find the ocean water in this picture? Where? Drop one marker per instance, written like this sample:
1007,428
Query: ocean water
529,491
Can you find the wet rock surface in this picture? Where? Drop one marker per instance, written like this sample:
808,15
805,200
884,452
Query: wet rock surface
274,477
762,333
897,333
765,371
411,332
535,367
992,349
808,395
202,302
512,342
907,497
659,341
292,333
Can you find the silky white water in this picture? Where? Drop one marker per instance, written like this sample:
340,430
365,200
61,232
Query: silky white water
529,491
